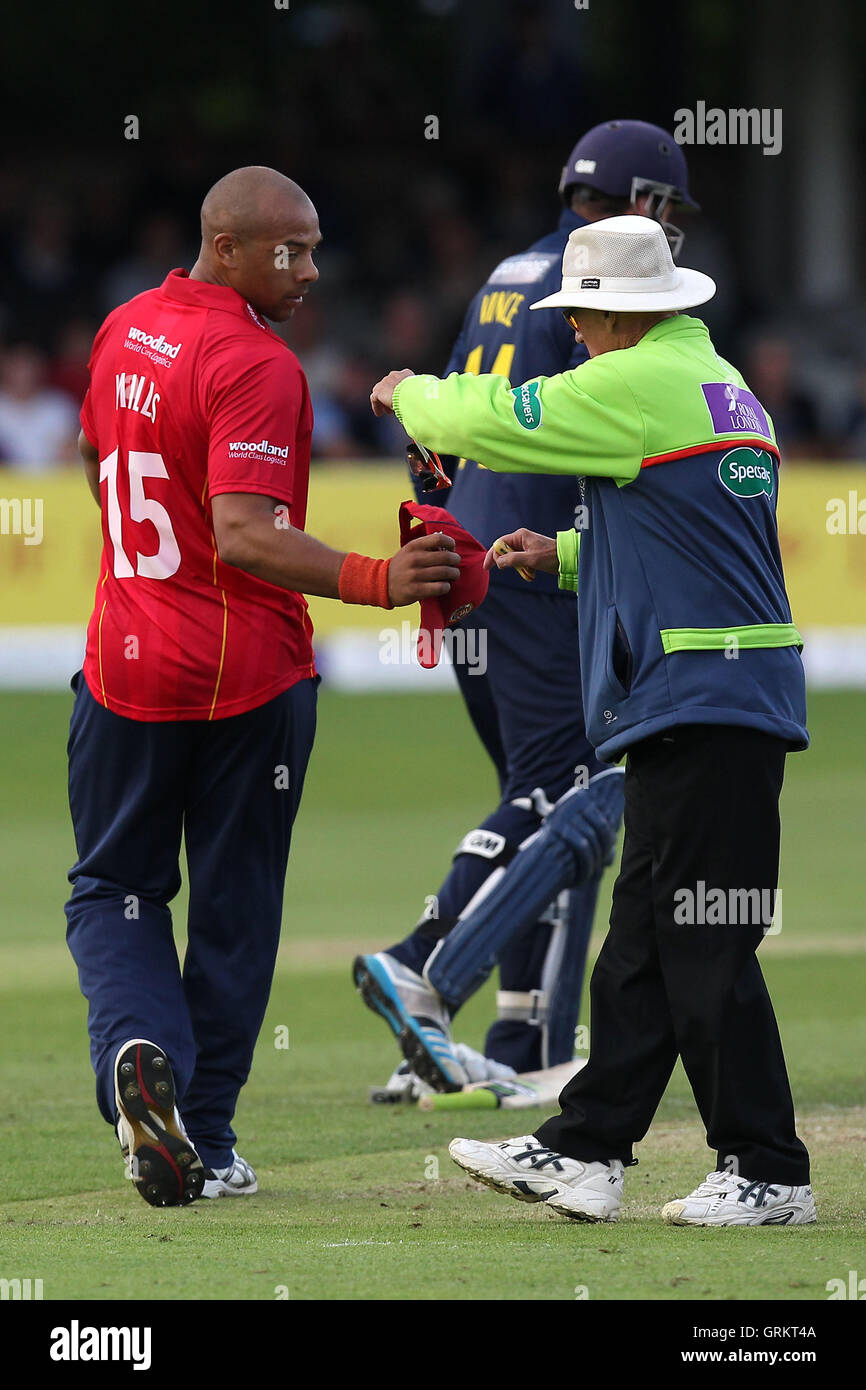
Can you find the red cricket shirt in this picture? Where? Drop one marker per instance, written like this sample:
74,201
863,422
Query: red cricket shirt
191,394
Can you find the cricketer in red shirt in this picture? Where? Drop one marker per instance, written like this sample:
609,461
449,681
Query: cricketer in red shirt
196,712
191,395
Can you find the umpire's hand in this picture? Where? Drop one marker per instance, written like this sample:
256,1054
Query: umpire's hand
382,394
526,550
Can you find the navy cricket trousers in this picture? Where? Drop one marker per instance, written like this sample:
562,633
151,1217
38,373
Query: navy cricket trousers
232,788
527,709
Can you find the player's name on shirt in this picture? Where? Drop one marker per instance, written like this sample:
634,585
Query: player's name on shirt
500,306
136,392
523,269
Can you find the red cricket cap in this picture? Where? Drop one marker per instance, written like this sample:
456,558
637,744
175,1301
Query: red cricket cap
465,594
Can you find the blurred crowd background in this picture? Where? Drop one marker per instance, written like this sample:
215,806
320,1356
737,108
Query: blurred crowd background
338,96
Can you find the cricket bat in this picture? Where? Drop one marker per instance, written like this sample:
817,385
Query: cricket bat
519,1093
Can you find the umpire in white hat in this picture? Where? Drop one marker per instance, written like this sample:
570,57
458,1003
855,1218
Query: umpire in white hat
692,670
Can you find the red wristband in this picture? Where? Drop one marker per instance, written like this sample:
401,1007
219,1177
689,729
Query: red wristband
363,580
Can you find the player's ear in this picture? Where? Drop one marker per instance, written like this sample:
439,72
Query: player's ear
225,247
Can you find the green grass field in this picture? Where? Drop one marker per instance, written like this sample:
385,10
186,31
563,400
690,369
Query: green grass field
361,1203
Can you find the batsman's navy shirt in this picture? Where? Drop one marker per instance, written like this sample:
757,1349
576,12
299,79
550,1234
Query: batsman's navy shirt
191,394
500,335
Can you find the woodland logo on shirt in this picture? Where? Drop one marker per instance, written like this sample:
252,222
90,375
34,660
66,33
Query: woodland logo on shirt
159,345
263,449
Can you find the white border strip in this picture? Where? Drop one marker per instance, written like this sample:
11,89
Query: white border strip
355,660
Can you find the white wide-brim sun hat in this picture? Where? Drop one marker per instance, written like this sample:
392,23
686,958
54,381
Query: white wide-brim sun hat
625,263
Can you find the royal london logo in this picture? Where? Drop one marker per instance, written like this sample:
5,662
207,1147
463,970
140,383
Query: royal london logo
527,406
735,410
747,472
157,345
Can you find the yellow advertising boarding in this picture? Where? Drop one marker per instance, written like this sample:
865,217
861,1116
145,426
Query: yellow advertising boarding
50,541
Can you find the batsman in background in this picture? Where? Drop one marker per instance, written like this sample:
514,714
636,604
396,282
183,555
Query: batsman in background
523,707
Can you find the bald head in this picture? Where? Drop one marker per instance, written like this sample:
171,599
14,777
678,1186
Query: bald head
251,202
258,233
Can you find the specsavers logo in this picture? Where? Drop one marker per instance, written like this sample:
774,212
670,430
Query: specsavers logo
747,472
527,406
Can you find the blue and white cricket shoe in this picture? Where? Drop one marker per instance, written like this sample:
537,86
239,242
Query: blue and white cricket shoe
416,1015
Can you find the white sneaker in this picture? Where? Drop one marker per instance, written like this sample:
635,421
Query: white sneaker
525,1169
237,1180
723,1199
416,1015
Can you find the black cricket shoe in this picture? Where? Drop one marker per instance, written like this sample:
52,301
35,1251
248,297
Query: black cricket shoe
160,1159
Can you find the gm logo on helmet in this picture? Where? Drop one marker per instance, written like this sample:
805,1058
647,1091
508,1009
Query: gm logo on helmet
747,472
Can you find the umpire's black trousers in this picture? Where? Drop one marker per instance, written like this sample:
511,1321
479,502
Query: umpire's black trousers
701,813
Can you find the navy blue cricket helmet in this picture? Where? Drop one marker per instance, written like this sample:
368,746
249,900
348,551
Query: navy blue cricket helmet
625,159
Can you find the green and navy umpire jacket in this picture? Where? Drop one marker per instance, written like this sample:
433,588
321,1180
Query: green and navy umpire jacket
683,613
501,335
